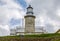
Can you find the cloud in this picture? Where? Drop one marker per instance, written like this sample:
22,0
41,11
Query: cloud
14,22
9,9
49,11
4,30
28,1
46,12
22,3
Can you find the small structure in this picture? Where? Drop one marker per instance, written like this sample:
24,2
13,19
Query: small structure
12,32
58,31
20,31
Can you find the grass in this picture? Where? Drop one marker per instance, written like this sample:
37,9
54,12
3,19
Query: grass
33,35
41,36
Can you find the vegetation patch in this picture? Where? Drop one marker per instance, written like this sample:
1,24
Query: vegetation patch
39,37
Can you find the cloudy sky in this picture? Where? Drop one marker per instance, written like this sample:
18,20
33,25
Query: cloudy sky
47,14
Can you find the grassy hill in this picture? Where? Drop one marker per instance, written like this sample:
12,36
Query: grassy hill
39,37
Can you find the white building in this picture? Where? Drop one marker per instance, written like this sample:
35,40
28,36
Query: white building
29,27
12,31
20,30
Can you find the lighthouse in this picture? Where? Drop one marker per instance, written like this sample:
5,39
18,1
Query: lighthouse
29,20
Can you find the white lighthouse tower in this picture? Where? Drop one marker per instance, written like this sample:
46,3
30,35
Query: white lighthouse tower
29,20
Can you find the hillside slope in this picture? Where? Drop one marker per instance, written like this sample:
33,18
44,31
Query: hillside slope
42,37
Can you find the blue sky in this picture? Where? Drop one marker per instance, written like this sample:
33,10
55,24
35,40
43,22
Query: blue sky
18,21
15,22
22,2
11,14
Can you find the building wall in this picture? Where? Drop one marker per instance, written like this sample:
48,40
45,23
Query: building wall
12,31
29,24
20,31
